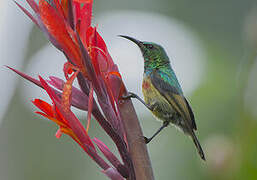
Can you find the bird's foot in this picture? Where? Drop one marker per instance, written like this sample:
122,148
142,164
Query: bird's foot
129,95
147,140
166,123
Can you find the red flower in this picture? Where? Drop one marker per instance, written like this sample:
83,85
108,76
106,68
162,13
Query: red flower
67,24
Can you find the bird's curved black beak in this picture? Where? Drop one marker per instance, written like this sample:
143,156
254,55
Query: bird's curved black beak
139,43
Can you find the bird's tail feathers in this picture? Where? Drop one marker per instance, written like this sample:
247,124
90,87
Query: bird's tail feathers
198,146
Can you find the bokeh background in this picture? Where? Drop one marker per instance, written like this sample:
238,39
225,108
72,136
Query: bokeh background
212,45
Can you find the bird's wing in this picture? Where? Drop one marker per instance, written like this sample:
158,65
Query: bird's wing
166,85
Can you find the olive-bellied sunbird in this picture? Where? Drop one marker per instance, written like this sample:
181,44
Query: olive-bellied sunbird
162,92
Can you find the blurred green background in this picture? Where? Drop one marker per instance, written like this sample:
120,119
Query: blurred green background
224,103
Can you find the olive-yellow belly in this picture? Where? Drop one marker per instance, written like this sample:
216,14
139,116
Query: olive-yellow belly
162,109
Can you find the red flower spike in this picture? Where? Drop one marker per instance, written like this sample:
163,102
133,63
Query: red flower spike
67,23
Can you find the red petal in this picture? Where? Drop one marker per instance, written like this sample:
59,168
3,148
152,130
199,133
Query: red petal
114,83
92,33
59,29
60,123
99,53
87,61
49,90
58,7
44,106
85,18
65,7
27,13
33,5
94,52
76,127
31,79
70,17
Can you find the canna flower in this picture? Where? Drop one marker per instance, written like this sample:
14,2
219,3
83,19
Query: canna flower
67,25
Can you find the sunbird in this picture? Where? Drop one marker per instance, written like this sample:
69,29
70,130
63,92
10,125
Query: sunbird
163,95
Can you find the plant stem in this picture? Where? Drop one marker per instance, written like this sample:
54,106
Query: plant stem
135,139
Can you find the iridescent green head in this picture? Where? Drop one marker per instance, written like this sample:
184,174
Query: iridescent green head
154,54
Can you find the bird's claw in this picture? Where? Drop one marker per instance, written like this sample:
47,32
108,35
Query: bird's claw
129,95
147,140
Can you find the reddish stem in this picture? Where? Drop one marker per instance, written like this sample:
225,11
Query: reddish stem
135,140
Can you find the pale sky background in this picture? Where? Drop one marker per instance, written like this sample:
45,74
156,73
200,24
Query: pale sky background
14,32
